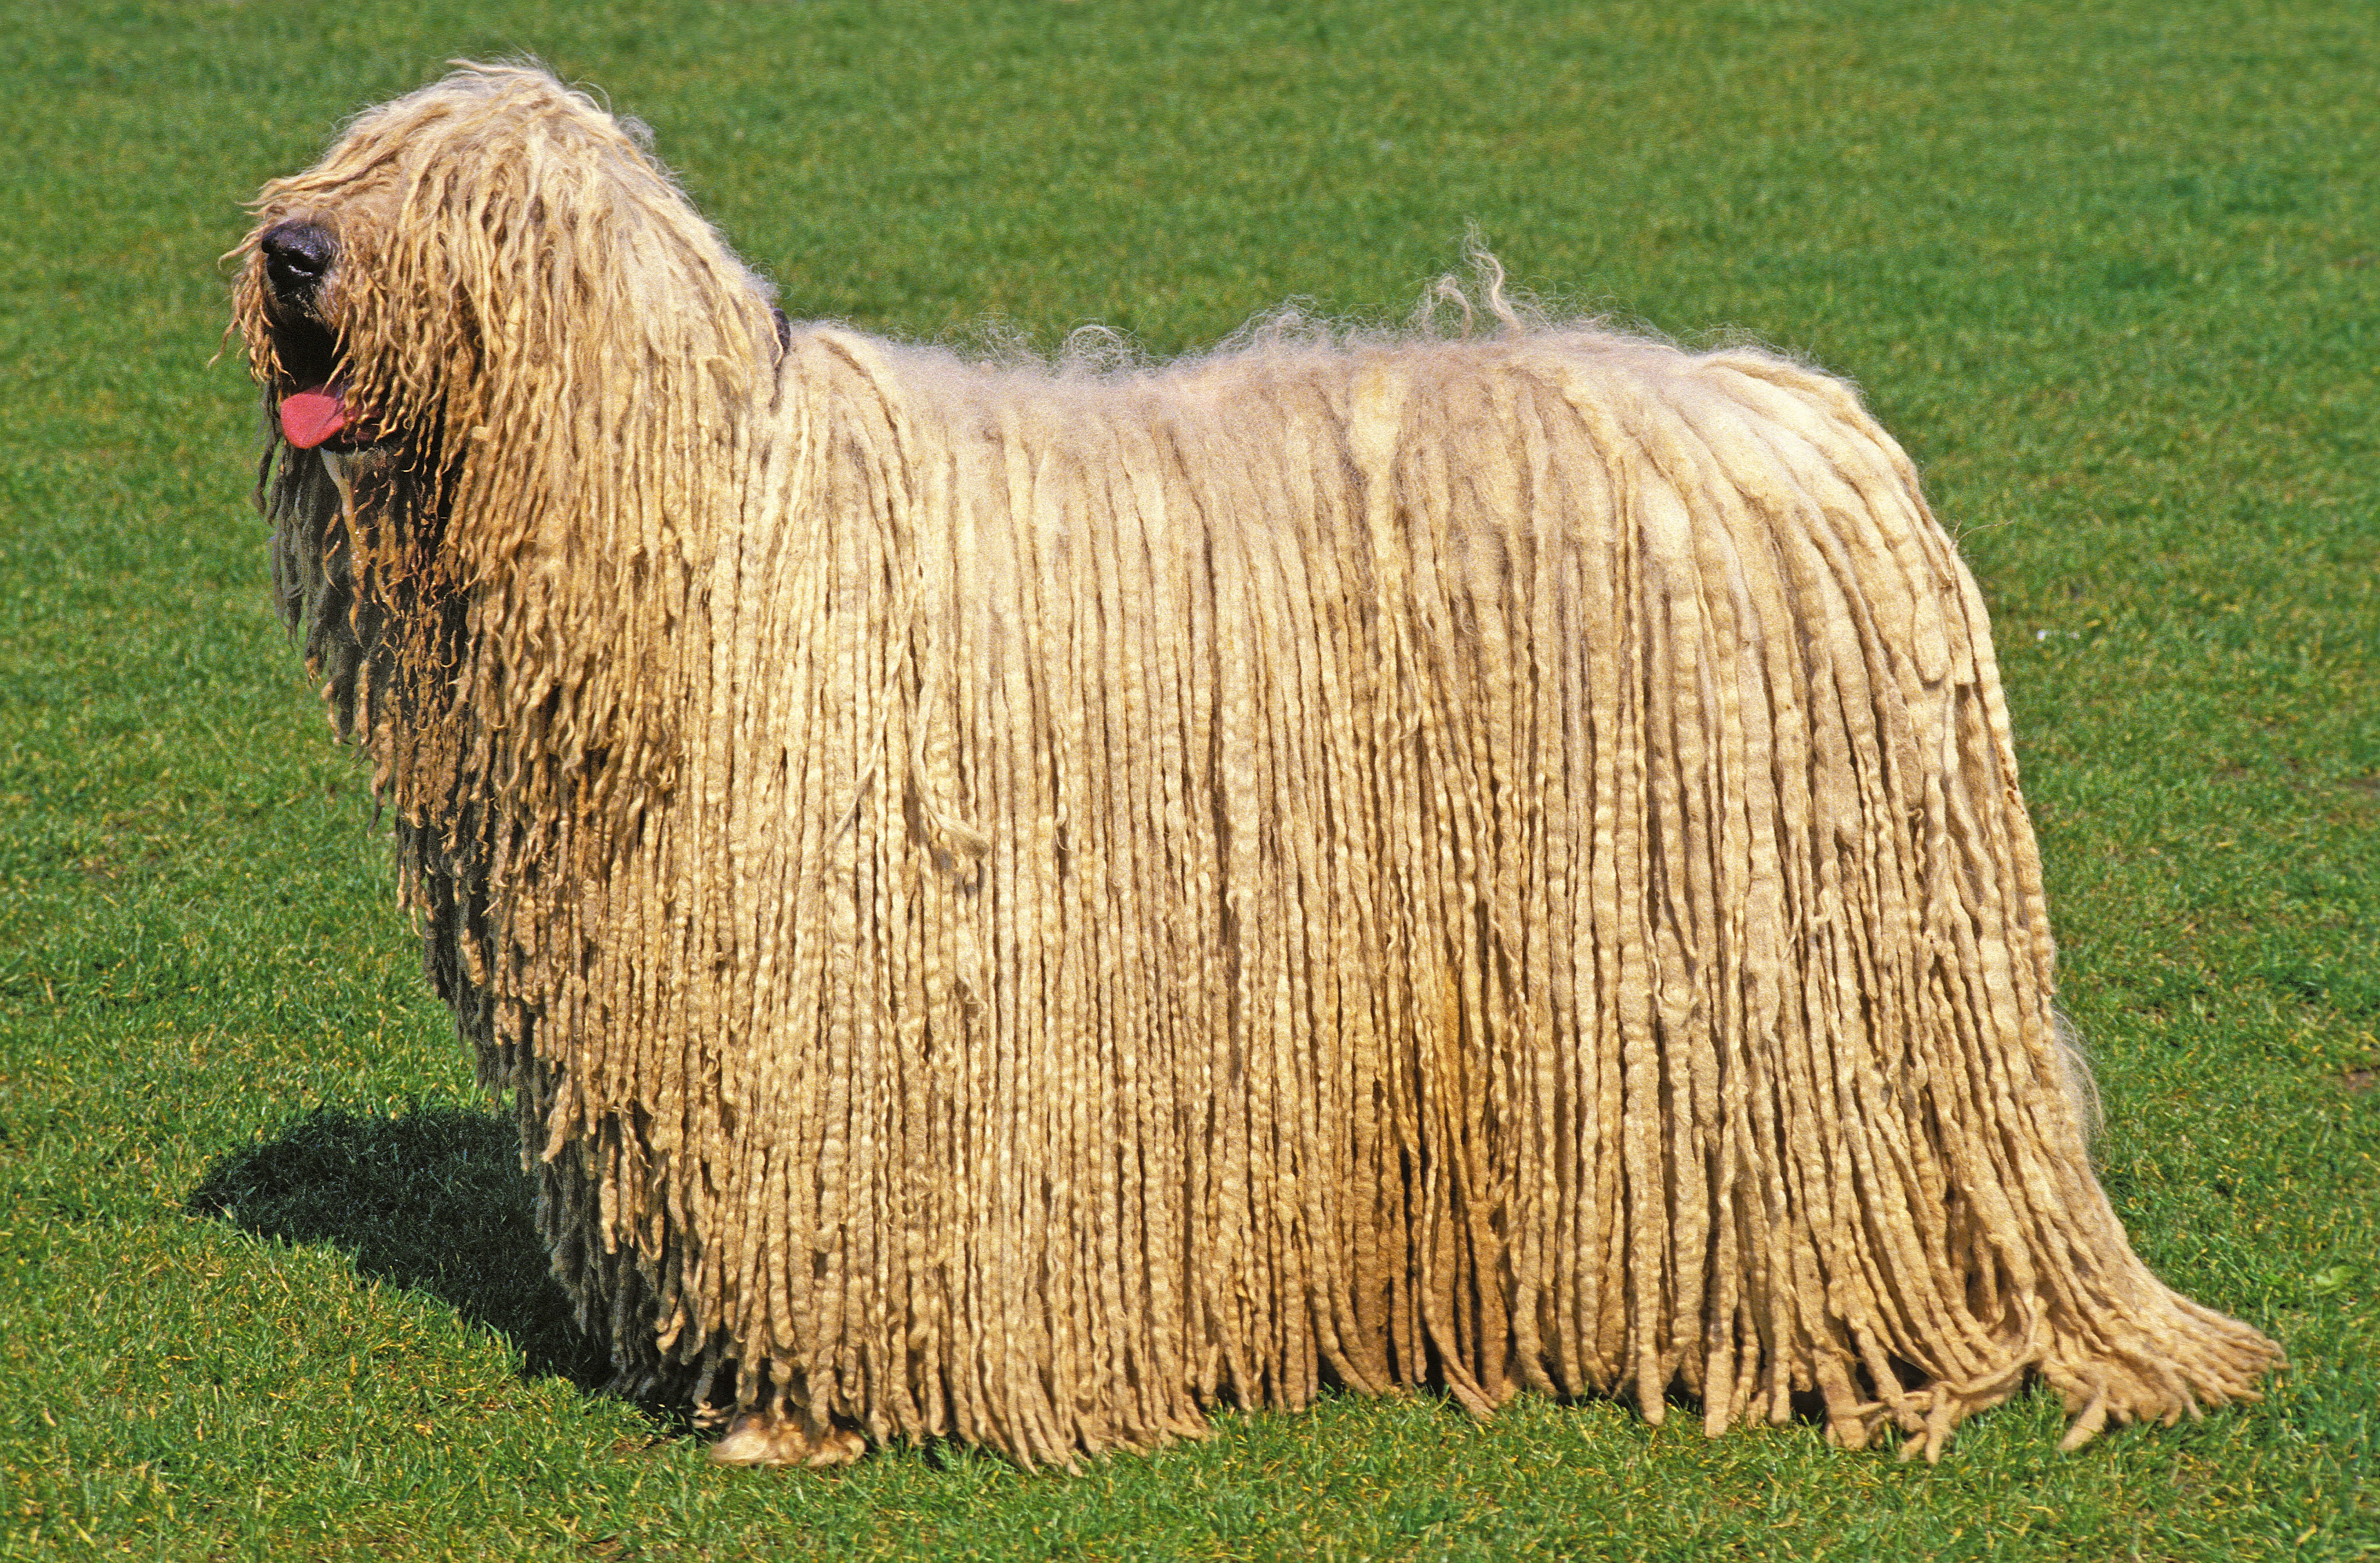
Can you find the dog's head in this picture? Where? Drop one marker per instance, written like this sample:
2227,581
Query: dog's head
492,259
506,368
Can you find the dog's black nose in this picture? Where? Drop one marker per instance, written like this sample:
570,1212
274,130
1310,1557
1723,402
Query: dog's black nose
297,257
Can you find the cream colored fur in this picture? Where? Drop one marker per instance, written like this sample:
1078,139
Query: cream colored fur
1019,903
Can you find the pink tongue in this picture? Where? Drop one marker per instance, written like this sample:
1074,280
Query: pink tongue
308,418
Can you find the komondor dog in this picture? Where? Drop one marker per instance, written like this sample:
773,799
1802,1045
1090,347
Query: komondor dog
1019,902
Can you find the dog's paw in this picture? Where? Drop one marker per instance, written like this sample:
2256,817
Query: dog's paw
756,1438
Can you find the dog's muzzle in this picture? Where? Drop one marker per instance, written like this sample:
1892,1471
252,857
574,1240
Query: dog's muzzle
297,257
297,260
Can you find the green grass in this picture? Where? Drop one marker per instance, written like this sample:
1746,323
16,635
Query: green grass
2113,274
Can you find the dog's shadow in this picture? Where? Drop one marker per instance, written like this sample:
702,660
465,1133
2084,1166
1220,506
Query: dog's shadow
433,1200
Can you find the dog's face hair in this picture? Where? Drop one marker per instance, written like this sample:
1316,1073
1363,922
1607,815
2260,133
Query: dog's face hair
288,309
421,308
365,323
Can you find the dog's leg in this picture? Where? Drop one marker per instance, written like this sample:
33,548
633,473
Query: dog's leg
786,1438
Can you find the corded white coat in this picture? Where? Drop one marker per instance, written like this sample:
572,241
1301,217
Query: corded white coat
1020,902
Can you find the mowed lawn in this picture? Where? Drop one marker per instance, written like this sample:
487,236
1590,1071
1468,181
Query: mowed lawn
2112,273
